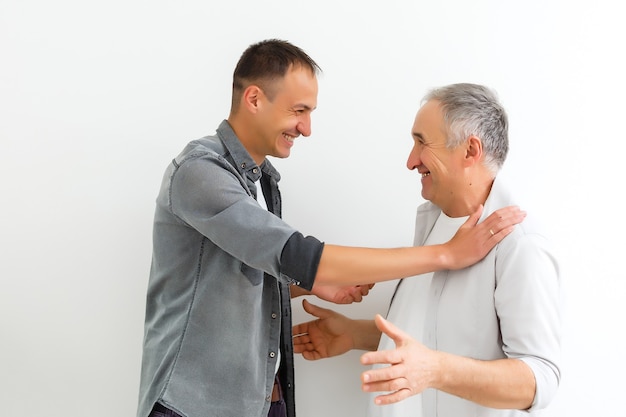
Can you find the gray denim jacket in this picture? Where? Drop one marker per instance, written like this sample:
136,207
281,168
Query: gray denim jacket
218,293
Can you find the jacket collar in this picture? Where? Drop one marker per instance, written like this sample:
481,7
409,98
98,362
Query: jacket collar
240,156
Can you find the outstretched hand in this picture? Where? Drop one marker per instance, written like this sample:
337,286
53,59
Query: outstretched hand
472,242
412,365
322,338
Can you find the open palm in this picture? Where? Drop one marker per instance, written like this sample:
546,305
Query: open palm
325,337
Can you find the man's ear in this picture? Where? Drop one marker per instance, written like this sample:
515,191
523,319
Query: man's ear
251,98
473,150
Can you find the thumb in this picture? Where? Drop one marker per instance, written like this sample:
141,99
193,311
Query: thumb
312,309
388,328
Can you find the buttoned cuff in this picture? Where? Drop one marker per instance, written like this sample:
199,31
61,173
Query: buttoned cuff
300,259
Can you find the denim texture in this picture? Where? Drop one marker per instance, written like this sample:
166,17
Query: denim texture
218,304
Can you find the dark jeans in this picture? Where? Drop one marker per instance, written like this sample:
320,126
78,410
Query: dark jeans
278,409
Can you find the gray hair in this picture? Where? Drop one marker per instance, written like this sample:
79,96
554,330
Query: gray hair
472,109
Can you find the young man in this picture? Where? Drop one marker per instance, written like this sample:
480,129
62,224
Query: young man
218,315
479,341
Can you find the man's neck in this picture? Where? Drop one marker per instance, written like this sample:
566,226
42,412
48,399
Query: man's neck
246,136
469,198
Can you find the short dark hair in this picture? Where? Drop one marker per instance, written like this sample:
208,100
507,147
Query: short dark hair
267,61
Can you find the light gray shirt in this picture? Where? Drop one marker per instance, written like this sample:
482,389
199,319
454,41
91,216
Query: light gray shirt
506,306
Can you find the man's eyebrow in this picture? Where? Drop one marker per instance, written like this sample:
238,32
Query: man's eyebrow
418,135
304,107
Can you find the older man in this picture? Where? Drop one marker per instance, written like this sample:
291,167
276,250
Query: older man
479,341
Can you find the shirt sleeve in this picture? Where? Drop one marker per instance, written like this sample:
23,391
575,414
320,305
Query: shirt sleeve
209,195
528,301
300,259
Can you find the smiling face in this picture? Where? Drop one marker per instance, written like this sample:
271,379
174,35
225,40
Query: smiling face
280,119
442,169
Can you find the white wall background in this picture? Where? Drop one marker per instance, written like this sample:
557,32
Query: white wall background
97,97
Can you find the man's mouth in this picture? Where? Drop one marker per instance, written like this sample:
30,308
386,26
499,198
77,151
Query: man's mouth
289,138
425,174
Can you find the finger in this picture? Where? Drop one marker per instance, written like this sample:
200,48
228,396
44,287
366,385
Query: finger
301,339
507,216
365,288
314,310
311,355
497,237
299,330
385,375
381,357
393,397
504,219
305,349
511,218
474,217
386,356
357,294
299,347
387,327
388,385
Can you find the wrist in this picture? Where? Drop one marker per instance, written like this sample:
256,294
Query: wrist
365,335
440,370
298,291
443,258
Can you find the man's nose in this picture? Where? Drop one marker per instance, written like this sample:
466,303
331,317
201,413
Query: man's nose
413,161
304,126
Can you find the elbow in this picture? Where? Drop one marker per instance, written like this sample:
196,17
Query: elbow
547,378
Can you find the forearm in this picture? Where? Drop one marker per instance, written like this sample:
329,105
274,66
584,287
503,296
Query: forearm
342,265
503,383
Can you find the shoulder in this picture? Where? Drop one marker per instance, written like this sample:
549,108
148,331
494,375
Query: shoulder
528,256
529,237
209,146
203,165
